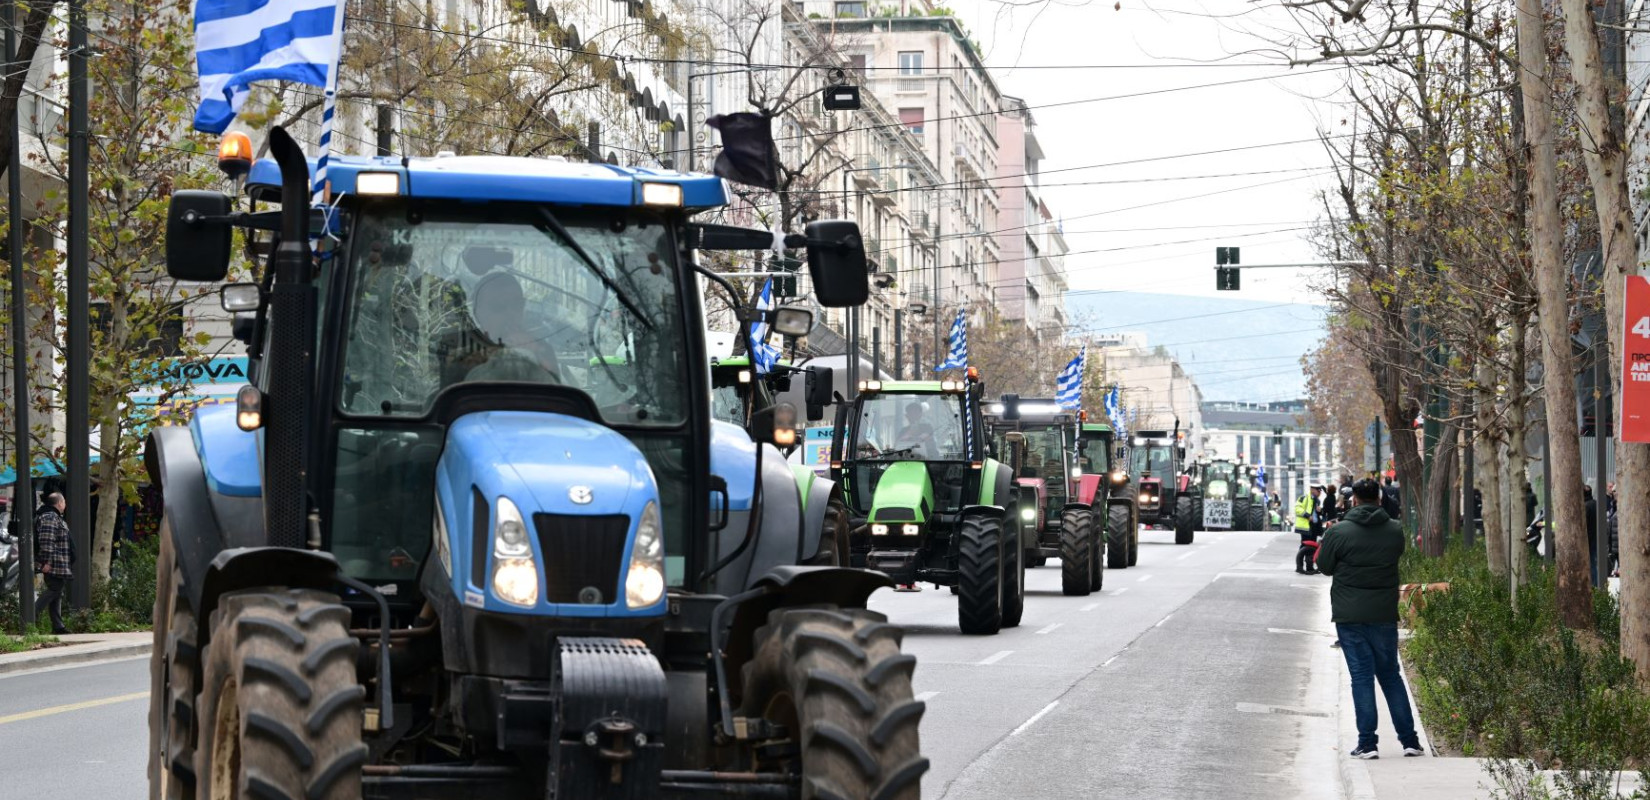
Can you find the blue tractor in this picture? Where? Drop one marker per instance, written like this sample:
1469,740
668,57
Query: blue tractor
471,531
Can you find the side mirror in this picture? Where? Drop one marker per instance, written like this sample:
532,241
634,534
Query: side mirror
836,263
1011,406
197,236
241,327
817,391
792,321
239,297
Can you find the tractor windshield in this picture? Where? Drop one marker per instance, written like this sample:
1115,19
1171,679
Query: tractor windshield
1092,454
450,295
1043,456
1220,472
927,427
1153,458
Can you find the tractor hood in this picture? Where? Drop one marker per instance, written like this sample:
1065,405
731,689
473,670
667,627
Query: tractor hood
554,463
904,493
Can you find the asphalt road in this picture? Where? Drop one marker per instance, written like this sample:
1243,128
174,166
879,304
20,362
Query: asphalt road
1201,672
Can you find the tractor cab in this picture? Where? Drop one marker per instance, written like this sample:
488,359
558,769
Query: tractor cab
1036,439
928,502
1167,496
480,436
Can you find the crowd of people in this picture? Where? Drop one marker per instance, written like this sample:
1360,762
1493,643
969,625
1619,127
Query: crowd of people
1326,504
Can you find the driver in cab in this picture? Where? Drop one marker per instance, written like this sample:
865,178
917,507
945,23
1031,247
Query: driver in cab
917,433
512,353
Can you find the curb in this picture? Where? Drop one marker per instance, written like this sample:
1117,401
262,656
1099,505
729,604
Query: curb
46,659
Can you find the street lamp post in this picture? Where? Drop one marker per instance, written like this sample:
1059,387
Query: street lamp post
853,313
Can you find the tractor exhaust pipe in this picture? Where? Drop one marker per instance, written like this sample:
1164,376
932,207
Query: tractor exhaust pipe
292,325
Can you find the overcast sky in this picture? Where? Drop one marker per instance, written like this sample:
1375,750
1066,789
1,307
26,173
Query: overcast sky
1035,50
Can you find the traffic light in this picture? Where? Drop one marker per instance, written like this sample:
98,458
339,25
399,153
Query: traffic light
1226,270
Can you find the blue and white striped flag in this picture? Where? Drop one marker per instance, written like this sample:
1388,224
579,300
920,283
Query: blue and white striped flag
1260,477
239,42
1114,412
763,355
1068,385
957,358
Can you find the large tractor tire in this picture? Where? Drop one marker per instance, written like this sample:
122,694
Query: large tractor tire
1134,541
1119,536
280,709
1097,555
1077,551
174,673
1257,517
833,537
837,680
1014,592
1184,514
980,573
1240,514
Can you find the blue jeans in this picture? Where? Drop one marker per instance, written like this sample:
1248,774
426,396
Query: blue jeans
1371,650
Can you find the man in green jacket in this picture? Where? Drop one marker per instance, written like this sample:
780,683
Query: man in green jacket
1361,555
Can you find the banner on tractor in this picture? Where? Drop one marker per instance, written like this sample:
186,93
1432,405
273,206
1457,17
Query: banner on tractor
1217,514
1635,361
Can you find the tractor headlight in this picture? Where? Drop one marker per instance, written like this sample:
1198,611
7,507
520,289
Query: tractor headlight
1076,472
1118,477
1028,514
516,581
644,582
910,529
515,576
1217,489
1145,498
879,529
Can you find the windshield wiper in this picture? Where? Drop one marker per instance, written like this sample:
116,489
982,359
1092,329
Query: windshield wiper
562,233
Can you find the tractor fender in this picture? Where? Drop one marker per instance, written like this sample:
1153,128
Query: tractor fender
200,521
982,509
1078,507
816,501
780,520
996,480
249,567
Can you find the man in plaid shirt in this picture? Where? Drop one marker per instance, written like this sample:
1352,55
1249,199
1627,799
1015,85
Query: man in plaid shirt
56,556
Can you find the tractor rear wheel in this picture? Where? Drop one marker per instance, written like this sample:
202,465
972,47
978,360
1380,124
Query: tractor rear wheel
1076,551
174,671
833,537
1097,555
1257,517
1014,592
280,710
836,679
1134,541
980,579
1183,520
1240,514
1119,537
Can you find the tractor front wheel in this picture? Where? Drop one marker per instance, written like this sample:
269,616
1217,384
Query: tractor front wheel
1119,536
1076,551
1134,539
1240,515
833,537
1097,555
1184,526
174,671
1257,517
980,574
836,679
280,709
1014,592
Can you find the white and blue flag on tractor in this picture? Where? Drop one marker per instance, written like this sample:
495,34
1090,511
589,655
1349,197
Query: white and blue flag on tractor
240,42
1114,412
763,355
1068,385
1260,477
957,357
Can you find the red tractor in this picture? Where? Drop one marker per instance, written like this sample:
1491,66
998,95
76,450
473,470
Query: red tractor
1168,498
1102,477
1039,439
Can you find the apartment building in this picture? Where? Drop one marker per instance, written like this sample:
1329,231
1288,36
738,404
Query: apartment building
1031,280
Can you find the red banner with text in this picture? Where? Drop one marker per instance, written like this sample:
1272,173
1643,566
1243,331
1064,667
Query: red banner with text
1635,361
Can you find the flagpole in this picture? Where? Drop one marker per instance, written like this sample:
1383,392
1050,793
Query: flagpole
329,108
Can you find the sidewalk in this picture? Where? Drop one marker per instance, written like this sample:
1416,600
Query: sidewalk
1393,777
79,648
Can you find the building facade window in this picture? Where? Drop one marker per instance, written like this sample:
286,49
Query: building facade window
910,61
850,9
856,62
912,119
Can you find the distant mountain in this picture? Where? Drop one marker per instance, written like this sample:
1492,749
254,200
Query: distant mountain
1236,350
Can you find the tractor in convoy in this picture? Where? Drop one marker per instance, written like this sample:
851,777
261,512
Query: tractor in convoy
1037,439
739,396
928,502
1103,477
1168,498
1226,497
472,531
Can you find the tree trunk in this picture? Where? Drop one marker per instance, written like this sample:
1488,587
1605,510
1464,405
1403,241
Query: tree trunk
1607,171
1575,606
1439,491
107,474
1517,467
1486,465
36,15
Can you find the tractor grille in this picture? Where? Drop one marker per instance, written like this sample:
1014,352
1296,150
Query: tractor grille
581,556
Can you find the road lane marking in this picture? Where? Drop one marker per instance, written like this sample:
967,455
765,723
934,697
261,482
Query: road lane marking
1257,708
1184,557
1108,661
1120,591
1163,620
925,696
1050,627
1034,718
1089,607
994,658
1297,631
1143,579
46,712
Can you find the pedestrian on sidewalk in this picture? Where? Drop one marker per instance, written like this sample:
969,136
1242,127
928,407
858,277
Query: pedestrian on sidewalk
1361,555
1389,500
1307,524
54,556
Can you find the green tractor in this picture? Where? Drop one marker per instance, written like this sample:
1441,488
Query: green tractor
1102,476
928,501
1229,498
1037,439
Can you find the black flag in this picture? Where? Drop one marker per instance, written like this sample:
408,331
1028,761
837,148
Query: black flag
748,154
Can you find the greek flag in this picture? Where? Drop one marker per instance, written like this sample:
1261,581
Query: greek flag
763,355
1260,477
1068,385
1114,412
957,358
239,42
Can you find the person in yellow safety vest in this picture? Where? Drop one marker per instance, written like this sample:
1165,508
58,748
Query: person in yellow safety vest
1307,525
